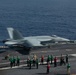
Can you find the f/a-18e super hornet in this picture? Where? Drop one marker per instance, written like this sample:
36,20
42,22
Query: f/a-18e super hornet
16,39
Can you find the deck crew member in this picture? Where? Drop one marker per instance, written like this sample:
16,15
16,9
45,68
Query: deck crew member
42,59
37,63
18,61
55,61
67,58
11,61
48,67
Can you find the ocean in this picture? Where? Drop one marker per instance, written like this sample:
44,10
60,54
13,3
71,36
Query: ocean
39,17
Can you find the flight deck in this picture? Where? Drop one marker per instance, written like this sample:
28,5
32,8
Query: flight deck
55,50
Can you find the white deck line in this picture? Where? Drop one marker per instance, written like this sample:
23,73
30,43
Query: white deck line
73,55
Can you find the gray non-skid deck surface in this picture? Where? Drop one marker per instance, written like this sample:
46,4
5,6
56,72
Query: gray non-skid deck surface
54,50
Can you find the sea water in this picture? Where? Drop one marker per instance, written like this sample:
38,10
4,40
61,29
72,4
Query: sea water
38,17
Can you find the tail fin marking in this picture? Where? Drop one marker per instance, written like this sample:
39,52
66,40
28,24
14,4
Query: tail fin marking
14,34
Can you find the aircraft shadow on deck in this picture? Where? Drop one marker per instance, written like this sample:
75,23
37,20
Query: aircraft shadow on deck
24,52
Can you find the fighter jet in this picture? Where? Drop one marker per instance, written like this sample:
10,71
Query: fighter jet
16,39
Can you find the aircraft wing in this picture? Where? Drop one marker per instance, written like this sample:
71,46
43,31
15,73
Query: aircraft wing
28,43
32,42
37,40
11,43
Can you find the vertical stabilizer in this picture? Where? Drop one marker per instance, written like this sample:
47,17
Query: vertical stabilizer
14,34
